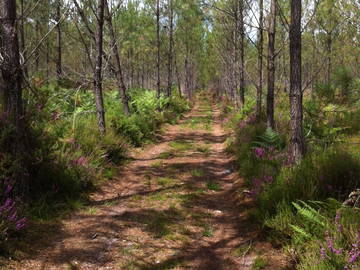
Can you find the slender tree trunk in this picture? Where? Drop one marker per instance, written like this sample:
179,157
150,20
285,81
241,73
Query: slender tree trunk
118,70
98,68
271,67
187,74
158,48
260,60
58,41
48,59
285,68
297,142
178,76
142,76
37,53
22,37
170,56
234,61
242,54
328,56
12,90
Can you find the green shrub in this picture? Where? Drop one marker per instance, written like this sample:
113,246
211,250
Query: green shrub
69,157
245,135
333,173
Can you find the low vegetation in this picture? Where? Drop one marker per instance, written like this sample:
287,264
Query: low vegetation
302,204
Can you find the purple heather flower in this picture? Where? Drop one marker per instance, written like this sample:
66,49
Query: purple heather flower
354,256
259,152
330,244
13,216
337,221
9,203
20,224
323,252
268,179
8,189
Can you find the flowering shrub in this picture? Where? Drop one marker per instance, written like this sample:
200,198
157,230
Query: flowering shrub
259,183
259,152
336,241
10,220
338,249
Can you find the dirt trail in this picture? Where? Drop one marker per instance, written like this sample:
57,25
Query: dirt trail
177,205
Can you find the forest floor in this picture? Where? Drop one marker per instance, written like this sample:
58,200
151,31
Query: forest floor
177,205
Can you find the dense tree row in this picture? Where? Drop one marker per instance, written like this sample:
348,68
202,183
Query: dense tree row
240,47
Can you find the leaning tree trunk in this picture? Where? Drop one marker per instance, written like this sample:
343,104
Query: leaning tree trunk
118,71
260,61
58,42
297,142
98,68
271,68
12,91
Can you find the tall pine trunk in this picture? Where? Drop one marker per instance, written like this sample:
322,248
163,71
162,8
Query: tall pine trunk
242,54
271,67
170,53
297,142
58,41
98,68
11,88
260,60
22,36
158,48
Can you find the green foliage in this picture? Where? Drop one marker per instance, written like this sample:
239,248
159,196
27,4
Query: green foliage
269,139
69,156
345,84
245,135
259,263
333,173
208,230
212,185
148,113
325,91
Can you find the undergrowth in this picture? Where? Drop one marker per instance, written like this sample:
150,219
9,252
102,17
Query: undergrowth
301,205
69,158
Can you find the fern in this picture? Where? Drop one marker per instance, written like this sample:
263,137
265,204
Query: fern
269,139
300,231
310,213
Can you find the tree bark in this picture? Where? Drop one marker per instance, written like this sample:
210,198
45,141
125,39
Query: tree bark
297,142
118,70
170,53
98,68
58,41
37,52
187,74
12,90
259,88
328,56
242,54
178,75
158,48
271,67
22,37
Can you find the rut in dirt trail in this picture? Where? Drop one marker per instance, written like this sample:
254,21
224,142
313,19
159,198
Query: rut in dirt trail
177,205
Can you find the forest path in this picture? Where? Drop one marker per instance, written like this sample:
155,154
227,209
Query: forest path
177,205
